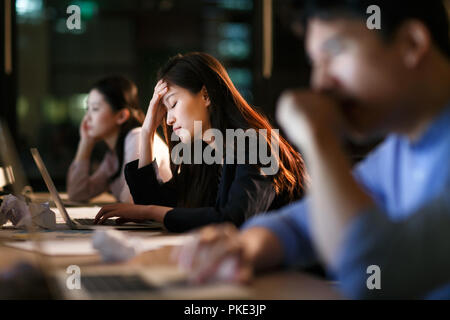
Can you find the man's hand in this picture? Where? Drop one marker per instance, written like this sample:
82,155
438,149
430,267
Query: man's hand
306,114
215,253
313,122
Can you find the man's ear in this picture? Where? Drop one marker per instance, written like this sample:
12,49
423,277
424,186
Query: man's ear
122,116
416,43
205,97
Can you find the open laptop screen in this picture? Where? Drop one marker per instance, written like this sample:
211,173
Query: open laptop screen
11,173
50,185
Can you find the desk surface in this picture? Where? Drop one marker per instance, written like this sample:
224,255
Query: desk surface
289,285
286,285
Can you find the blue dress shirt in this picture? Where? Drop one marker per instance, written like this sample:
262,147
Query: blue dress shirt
401,176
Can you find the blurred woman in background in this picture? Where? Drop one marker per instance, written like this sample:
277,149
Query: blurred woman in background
114,117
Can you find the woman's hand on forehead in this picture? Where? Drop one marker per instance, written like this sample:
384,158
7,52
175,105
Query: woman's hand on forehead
155,112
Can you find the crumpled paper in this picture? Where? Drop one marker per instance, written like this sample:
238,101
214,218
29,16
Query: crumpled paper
23,215
113,246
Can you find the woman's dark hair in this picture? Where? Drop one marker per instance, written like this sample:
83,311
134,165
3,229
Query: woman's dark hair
228,110
121,93
432,13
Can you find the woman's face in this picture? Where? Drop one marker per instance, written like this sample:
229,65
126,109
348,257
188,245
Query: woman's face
100,118
183,108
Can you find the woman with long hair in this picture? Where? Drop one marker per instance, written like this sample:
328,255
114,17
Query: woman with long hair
192,88
114,117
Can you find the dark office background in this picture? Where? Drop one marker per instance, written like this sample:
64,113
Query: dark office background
47,69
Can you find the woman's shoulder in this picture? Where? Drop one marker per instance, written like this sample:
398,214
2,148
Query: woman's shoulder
133,134
132,141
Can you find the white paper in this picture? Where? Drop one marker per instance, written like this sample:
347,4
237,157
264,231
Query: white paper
84,247
114,246
57,247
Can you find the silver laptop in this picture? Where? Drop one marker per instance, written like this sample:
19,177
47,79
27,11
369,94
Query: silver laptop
81,224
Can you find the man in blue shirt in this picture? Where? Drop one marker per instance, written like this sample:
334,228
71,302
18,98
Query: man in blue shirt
393,212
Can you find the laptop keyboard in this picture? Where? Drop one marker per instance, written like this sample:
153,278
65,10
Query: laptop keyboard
89,222
115,283
112,222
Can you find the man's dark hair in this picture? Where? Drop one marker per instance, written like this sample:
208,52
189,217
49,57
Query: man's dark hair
432,13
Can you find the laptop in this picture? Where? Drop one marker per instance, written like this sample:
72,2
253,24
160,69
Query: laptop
82,224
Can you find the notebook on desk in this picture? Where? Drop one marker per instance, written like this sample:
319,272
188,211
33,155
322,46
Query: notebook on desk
85,223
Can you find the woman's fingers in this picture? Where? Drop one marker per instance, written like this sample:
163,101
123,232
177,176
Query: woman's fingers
83,127
158,96
104,210
160,89
108,215
125,213
99,214
154,113
158,84
161,84
83,121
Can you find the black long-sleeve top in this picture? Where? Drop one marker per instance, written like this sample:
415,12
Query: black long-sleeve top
242,192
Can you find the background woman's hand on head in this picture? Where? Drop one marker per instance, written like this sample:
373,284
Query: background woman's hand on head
84,132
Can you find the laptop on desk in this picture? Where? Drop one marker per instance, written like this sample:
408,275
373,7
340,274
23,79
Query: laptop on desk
81,224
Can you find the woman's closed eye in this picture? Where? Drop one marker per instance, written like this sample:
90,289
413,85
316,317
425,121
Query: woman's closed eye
87,108
171,106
